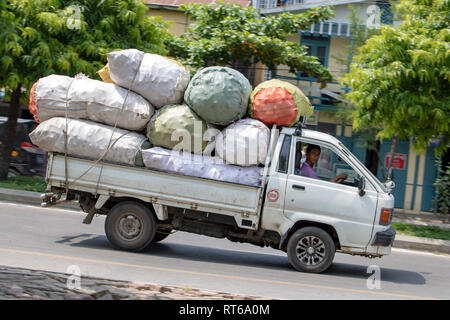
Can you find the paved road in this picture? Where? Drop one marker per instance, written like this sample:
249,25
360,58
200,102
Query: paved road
54,239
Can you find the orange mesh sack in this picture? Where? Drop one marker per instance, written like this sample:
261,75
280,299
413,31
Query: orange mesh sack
32,106
279,102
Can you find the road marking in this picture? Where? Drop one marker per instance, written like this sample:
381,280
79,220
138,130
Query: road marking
215,275
48,209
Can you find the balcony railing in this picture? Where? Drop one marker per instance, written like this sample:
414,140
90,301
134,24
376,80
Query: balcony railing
322,99
266,4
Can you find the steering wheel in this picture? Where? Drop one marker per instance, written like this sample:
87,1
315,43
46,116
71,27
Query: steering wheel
341,180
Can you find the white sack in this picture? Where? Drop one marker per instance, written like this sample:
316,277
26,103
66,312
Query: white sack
200,166
244,143
159,80
90,99
87,139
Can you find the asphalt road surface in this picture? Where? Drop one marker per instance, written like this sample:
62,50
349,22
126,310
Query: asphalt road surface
56,240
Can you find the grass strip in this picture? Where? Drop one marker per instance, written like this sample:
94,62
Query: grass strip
421,231
24,183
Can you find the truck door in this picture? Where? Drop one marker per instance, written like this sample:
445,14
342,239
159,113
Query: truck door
312,195
274,203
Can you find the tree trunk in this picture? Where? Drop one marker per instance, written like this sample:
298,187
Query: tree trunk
392,152
9,134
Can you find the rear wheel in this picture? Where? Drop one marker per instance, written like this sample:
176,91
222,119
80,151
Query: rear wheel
311,249
130,226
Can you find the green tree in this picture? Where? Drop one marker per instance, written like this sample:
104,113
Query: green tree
345,113
226,34
441,201
400,79
67,37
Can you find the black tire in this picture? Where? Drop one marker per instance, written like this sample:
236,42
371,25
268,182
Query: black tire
160,236
130,226
311,249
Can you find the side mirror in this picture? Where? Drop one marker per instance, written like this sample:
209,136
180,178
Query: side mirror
361,186
389,174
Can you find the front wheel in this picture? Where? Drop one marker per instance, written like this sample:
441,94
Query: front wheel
311,249
130,226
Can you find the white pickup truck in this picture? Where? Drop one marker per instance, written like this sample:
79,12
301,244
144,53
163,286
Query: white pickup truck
309,218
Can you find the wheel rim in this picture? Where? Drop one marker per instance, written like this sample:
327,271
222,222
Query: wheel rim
310,250
129,226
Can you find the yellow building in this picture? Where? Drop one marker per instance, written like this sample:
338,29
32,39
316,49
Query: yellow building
169,11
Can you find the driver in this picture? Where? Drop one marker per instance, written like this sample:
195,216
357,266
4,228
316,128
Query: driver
312,156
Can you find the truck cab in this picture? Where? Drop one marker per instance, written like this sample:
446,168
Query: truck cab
317,216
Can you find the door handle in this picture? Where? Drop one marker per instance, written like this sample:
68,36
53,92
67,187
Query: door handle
296,186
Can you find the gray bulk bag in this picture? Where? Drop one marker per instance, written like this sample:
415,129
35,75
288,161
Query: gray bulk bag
244,143
89,139
89,99
200,166
160,80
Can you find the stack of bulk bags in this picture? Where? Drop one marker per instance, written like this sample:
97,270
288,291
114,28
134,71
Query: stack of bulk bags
160,80
279,102
84,98
244,143
219,95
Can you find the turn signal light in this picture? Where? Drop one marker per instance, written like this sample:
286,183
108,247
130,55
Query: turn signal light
385,217
14,153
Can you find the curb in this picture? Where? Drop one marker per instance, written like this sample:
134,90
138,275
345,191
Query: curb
32,198
401,241
422,244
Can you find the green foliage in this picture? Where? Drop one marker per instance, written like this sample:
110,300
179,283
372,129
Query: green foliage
421,231
223,34
24,183
69,37
400,80
441,201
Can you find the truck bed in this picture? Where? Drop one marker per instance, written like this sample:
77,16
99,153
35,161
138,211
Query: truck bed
157,187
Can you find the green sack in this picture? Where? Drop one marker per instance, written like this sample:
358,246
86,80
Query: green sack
138,160
219,95
177,126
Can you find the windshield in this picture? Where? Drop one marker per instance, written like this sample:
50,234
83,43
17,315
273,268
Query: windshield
366,170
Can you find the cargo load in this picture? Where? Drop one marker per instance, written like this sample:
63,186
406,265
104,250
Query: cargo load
90,139
84,98
104,74
177,126
200,166
160,80
279,102
244,143
219,95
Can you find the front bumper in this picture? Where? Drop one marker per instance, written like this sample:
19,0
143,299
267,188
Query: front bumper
384,238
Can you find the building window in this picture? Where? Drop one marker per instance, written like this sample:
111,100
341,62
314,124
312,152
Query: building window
318,47
387,16
267,74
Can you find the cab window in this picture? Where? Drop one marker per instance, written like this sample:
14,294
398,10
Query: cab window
319,162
